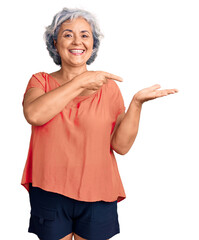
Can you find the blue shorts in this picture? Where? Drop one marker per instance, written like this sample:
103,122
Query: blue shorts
53,216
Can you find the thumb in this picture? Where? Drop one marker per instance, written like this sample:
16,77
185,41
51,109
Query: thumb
154,87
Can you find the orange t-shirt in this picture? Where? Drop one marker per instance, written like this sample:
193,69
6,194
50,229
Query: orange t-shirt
71,154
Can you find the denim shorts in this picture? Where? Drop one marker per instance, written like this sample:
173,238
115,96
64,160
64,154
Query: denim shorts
53,216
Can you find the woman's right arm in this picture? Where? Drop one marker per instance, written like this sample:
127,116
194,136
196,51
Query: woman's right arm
40,107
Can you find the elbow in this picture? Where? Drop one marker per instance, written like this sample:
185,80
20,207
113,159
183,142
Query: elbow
120,150
123,151
30,117
123,147
31,121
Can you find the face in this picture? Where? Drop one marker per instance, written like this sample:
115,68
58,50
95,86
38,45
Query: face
75,42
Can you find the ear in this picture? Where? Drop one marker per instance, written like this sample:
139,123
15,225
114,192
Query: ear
55,43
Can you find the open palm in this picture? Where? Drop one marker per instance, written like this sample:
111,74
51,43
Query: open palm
151,93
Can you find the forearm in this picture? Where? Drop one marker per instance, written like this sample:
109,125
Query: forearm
45,107
126,132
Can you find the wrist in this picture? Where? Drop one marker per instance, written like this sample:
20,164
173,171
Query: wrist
136,102
80,81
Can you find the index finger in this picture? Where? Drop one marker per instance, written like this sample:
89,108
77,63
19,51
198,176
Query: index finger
113,77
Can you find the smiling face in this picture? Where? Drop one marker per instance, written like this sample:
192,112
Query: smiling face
74,42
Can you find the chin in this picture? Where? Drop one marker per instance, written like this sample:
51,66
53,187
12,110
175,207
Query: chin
78,64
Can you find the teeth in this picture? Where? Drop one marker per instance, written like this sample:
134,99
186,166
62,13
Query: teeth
76,51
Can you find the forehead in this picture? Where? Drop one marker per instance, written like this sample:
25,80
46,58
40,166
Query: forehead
76,24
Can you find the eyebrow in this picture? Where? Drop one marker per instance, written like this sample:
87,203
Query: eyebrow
69,30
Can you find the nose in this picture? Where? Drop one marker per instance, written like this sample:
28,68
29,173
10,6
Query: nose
76,40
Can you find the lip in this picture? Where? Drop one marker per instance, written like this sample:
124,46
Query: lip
76,49
77,54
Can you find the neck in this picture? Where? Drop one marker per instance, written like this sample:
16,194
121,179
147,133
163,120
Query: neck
69,72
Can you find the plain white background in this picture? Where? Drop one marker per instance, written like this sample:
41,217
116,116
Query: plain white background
146,42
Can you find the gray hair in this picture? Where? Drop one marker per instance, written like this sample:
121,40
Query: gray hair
69,14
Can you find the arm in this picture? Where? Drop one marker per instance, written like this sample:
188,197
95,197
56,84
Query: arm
40,107
46,106
126,132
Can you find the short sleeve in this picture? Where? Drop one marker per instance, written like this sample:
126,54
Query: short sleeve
35,81
117,101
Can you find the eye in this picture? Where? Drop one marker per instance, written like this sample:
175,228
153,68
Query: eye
68,35
85,36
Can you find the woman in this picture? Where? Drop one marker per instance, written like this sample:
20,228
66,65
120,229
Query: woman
78,118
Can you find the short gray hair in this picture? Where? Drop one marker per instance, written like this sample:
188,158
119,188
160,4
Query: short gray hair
69,14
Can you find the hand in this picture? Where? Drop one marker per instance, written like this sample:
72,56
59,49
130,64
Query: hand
151,93
93,80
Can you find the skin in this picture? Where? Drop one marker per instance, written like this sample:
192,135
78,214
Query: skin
127,124
76,237
77,34
74,66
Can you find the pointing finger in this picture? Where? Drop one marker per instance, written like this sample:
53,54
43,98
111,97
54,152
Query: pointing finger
113,77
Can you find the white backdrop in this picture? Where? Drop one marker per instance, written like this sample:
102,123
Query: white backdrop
146,42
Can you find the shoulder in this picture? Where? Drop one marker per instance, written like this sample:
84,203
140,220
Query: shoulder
40,76
113,86
38,79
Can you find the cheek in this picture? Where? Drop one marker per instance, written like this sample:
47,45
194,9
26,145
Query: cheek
63,45
90,45
62,48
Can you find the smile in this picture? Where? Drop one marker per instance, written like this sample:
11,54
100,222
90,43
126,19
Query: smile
77,51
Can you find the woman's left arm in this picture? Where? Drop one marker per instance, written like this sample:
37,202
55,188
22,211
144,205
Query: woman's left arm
126,132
